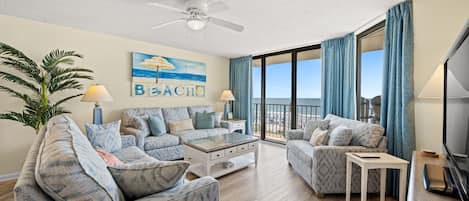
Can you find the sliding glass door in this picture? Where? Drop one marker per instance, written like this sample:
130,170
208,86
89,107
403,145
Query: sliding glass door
286,91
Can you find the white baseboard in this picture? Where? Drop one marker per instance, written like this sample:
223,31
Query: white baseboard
9,176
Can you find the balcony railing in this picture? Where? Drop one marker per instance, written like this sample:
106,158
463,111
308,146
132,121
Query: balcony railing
278,118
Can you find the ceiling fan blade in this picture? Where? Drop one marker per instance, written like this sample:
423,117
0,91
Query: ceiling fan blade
217,6
226,24
168,23
169,5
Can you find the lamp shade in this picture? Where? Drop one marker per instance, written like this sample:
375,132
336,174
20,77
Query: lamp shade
433,88
97,93
227,95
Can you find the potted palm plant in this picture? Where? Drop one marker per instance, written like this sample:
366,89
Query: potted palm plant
35,84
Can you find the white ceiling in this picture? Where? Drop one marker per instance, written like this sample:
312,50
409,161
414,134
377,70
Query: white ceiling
269,24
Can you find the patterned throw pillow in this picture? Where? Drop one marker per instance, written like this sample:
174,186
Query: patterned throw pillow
141,124
340,136
312,125
204,120
105,136
157,126
181,125
319,137
109,158
141,179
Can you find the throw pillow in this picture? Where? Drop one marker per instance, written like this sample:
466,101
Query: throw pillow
138,180
312,125
181,125
157,126
319,137
141,124
204,120
109,158
218,116
105,136
340,136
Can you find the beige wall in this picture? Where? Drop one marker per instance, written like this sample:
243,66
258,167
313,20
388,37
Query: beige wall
110,58
436,25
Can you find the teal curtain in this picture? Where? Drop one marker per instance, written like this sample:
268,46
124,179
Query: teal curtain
338,76
397,111
241,86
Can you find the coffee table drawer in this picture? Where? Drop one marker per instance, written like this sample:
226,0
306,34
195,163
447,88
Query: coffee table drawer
242,148
216,155
230,151
252,146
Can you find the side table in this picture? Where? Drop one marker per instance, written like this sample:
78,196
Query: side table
384,162
234,125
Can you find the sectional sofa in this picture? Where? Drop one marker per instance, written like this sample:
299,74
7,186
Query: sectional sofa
323,167
168,146
65,163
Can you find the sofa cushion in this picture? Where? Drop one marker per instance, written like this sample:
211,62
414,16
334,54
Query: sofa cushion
199,108
312,125
158,142
68,167
302,150
175,114
132,155
200,133
141,179
363,134
105,136
157,125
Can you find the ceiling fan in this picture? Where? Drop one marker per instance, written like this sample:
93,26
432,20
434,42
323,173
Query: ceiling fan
197,13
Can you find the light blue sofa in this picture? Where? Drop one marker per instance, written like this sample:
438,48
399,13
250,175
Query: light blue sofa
78,173
323,167
168,146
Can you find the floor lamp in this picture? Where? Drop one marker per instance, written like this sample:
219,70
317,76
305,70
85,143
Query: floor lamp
97,93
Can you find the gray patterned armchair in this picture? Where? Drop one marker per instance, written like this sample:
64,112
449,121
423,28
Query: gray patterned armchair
323,167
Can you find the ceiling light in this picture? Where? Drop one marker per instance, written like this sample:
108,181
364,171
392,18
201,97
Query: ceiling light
195,24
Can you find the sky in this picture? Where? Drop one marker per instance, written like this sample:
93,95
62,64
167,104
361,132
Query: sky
278,78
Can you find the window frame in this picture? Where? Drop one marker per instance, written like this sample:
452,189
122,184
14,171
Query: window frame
360,36
294,63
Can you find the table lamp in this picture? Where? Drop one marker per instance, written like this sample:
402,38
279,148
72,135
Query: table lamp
226,96
97,93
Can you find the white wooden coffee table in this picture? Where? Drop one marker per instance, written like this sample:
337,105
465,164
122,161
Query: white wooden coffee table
384,162
208,155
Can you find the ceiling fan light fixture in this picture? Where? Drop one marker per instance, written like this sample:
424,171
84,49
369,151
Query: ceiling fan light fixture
195,24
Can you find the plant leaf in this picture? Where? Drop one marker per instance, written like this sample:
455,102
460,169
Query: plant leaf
20,81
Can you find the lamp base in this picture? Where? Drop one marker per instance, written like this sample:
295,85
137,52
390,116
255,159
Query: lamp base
226,111
97,114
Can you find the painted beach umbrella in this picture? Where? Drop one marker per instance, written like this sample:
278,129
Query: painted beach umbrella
158,63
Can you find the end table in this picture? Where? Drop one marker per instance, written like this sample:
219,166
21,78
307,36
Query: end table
382,162
234,125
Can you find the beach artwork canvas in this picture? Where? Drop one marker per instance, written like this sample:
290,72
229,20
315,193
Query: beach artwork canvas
158,76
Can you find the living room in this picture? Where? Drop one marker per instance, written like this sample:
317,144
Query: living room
259,69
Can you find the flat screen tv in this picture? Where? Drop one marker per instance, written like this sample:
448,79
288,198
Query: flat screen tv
456,113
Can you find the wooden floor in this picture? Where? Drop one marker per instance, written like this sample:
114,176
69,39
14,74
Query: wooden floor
272,180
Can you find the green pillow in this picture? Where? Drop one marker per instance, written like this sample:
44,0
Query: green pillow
157,126
204,120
